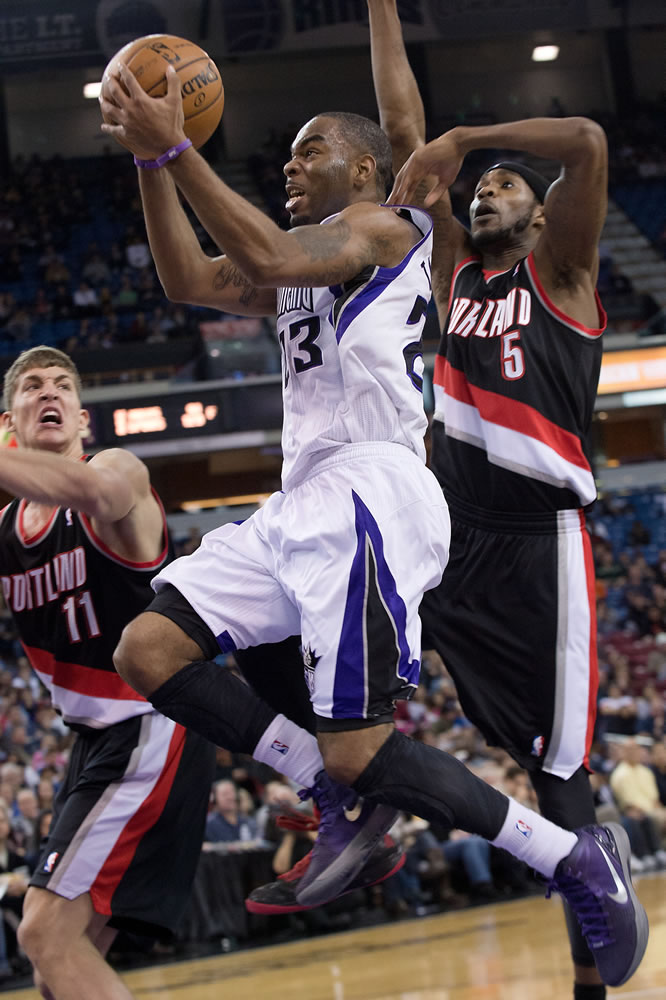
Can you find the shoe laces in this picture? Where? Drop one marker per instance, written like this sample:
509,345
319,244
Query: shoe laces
298,870
588,909
329,797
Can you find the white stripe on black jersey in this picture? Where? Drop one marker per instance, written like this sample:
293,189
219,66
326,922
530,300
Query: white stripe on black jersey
515,384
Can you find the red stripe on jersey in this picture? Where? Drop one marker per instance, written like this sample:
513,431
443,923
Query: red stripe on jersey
504,412
112,871
563,318
82,680
594,663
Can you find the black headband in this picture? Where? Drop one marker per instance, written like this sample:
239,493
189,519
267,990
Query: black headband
536,181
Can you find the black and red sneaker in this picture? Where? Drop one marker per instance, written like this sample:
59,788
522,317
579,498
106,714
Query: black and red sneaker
280,896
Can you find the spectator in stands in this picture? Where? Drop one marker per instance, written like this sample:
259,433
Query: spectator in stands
85,299
57,273
278,798
63,306
617,711
50,256
225,823
424,866
7,306
25,823
137,251
19,326
635,790
40,834
46,788
127,296
15,884
658,768
42,307
607,566
471,854
95,269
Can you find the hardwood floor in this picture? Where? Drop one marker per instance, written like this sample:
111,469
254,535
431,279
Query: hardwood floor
498,952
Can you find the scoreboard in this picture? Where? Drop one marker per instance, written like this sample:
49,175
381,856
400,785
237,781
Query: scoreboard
185,414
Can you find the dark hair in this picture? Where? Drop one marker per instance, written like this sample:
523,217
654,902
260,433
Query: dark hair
532,178
365,136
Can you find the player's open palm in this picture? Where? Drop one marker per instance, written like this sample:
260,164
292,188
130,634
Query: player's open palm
147,126
440,160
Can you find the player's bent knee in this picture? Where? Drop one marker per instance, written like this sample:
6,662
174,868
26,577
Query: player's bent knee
32,935
133,658
151,649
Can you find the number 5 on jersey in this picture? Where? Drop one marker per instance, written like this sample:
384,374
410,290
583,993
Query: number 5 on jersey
513,359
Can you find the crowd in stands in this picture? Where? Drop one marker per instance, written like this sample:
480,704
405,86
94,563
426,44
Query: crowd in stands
445,868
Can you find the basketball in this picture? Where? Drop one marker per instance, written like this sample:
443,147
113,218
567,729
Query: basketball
200,81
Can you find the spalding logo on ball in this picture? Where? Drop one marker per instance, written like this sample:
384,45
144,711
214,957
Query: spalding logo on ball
200,82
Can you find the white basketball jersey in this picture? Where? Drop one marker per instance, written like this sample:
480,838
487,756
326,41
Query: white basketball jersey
352,359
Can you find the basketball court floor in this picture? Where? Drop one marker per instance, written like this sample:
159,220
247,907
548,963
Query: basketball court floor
497,952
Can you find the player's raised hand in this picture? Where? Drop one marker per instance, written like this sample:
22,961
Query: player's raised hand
147,126
439,160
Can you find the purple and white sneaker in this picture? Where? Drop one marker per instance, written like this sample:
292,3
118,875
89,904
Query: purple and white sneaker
350,828
595,880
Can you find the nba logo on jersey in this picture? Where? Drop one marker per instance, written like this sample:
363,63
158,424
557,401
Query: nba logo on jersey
523,828
68,517
537,746
50,862
279,747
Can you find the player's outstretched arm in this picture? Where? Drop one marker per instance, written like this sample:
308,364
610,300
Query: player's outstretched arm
403,119
576,202
186,273
107,488
267,256
401,113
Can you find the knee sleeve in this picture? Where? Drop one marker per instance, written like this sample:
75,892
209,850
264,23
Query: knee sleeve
211,701
434,785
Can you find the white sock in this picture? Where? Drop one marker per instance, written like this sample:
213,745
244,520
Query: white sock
290,750
533,839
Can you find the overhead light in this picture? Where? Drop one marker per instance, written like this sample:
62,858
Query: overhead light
644,397
239,501
545,53
92,90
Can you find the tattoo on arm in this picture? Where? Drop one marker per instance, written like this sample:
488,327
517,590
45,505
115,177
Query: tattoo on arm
229,276
323,242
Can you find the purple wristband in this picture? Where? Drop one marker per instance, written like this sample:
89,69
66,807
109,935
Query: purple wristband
165,158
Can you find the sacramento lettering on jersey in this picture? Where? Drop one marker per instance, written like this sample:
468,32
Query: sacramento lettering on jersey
25,591
497,317
290,299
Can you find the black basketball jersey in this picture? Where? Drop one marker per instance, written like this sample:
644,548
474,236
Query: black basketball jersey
515,384
71,597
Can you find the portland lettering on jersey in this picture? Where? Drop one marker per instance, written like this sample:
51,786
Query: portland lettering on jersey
291,299
490,317
25,591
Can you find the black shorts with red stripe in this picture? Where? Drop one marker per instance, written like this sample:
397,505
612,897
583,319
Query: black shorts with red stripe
128,822
514,621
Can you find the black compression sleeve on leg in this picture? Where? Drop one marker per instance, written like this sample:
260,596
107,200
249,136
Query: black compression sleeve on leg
211,701
434,785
